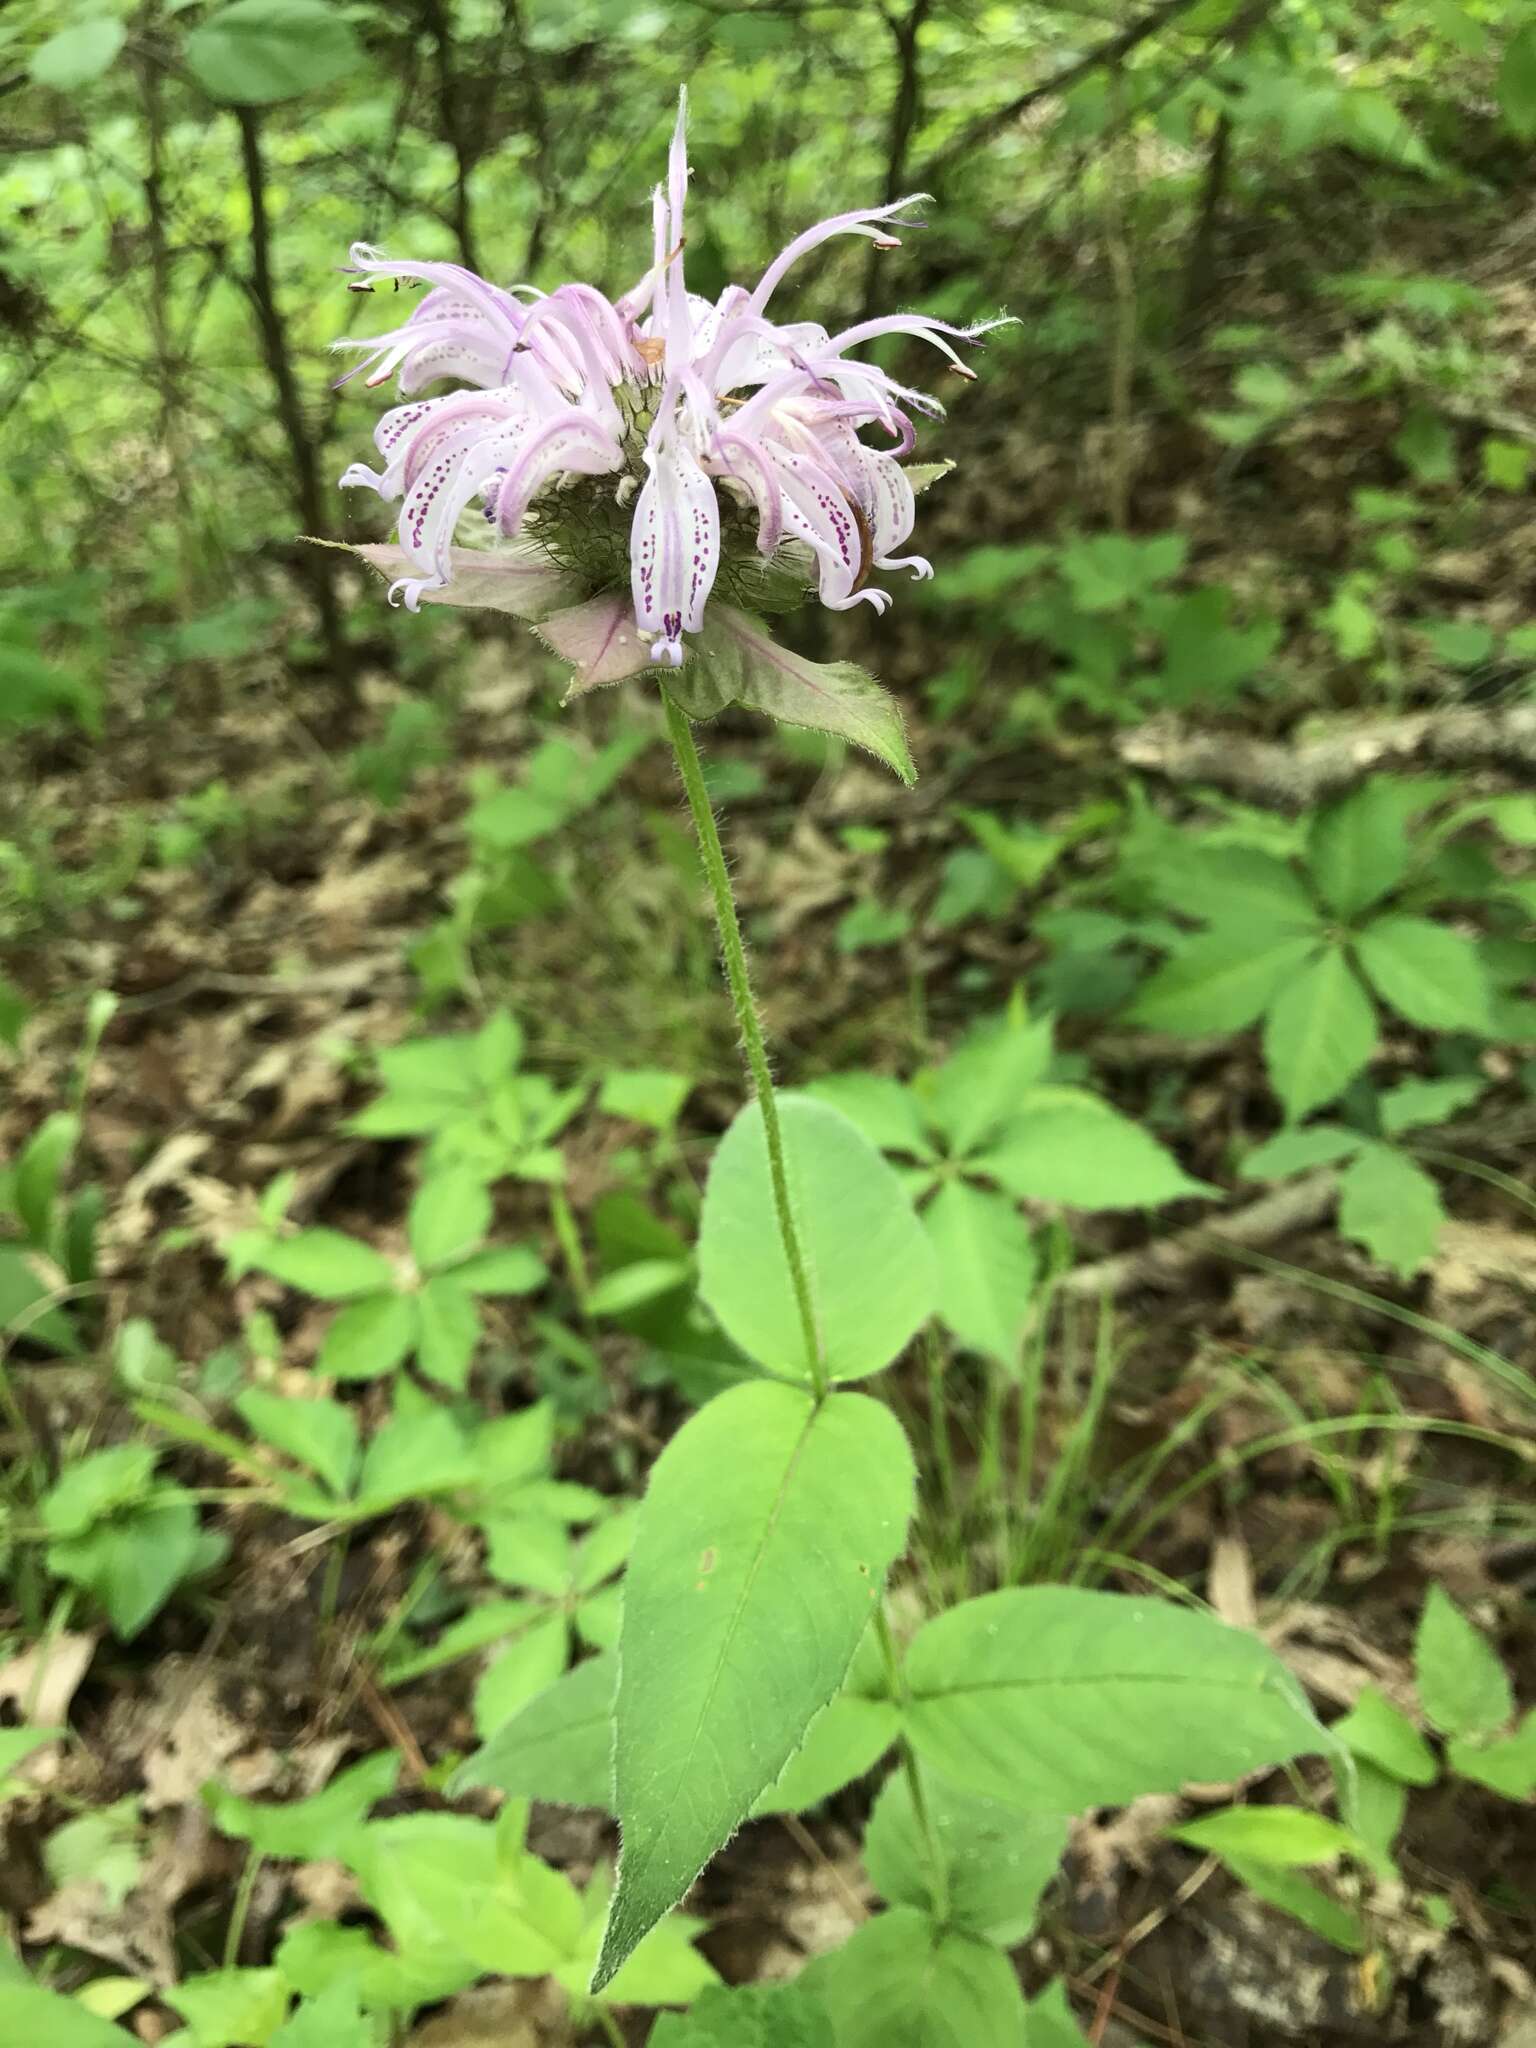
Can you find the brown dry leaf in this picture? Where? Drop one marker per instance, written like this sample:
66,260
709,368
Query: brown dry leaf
43,1680
1134,1835
809,874
1329,1655
1469,1255
133,1218
1229,1582
328,1890
140,1933
188,1736
518,2015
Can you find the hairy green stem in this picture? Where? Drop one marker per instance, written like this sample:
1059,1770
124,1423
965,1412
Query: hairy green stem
734,954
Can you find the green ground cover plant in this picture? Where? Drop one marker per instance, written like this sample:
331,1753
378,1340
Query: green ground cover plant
499,1443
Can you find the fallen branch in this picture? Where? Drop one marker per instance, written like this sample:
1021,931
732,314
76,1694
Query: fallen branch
1298,1205
1296,776
1170,1259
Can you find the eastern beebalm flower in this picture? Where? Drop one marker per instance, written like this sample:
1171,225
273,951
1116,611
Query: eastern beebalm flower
655,444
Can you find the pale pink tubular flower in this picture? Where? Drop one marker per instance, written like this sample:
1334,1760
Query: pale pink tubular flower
727,436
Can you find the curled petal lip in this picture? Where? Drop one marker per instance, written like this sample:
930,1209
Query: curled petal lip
676,394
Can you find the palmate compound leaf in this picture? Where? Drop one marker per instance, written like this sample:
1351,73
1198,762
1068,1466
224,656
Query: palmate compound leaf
1320,1031
559,1747
765,1535
987,1267
1065,1145
1429,974
1054,1700
872,1271
737,661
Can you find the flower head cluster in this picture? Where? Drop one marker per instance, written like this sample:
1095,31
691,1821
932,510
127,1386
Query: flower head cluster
657,439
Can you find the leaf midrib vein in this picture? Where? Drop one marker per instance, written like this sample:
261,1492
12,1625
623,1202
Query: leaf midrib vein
685,1769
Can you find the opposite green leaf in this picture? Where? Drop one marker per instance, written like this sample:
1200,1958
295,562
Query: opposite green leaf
258,52
871,1268
748,666
902,1983
1054,1700
76,55
766,1532
1464,1688
1319,1033
846,1739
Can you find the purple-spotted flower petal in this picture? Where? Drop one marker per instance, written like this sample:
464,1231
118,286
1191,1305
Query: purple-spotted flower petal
653,429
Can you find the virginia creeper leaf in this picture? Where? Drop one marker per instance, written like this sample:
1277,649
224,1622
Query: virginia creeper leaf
1319,1033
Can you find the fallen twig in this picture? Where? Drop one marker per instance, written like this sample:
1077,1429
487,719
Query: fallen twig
1296,1206
1169,1259
1295,776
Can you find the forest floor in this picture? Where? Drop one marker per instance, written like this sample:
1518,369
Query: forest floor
253,977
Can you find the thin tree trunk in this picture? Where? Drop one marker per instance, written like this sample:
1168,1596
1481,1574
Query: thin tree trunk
906,110
1200,270
162,339
514,31
302,453
453,113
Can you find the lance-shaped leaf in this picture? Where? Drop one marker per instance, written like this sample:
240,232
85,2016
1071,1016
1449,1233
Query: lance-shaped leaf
749,667
599,639
1054,1700
765,1535
519,580
921,474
